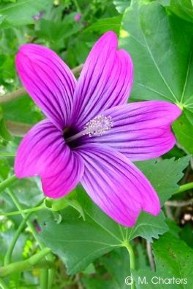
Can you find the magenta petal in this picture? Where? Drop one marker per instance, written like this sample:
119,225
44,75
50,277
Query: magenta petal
48,80
141,130
43,152
105,81
116,185
68,175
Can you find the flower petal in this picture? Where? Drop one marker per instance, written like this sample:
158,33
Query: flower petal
48,80
116,185
67,177
105,81
43,152
140,130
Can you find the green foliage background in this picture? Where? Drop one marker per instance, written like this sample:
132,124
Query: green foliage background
88,248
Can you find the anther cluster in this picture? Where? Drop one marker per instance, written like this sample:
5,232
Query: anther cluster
98,125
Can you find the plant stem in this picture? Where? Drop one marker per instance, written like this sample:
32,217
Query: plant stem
24,265
179,204
77,6
77,69
185,187
8,255
12,95
150,255
17,128
6,154
23,211
34,233
6,183
44,279
129,248
51,278
131,254
3,285
29,224
7,258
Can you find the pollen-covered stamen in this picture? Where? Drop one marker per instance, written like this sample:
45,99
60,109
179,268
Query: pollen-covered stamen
95,127
98,125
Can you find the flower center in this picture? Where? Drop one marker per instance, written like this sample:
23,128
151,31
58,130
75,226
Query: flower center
95,127
98,125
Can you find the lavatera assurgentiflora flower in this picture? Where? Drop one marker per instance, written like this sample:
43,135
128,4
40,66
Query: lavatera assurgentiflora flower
91,134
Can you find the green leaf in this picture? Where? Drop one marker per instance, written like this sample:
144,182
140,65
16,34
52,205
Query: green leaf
59,204
182,127
30,113
170,262
22,11
186,234
173,268
6,237
97,283
162,45
4,133
164,175
80,241
116,268
6,154
174,229
57,32
117,264
98,231
182,8
148,227
103,25
121,5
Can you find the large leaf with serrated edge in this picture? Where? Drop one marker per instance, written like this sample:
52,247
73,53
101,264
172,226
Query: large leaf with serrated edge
79,241
162,50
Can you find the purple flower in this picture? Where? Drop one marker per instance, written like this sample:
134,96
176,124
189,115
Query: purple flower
91,135
39,15
77,17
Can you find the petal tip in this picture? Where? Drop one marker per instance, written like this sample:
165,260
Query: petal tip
21,56
178,111
154,209
174,110
23,50
110,34
108,38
